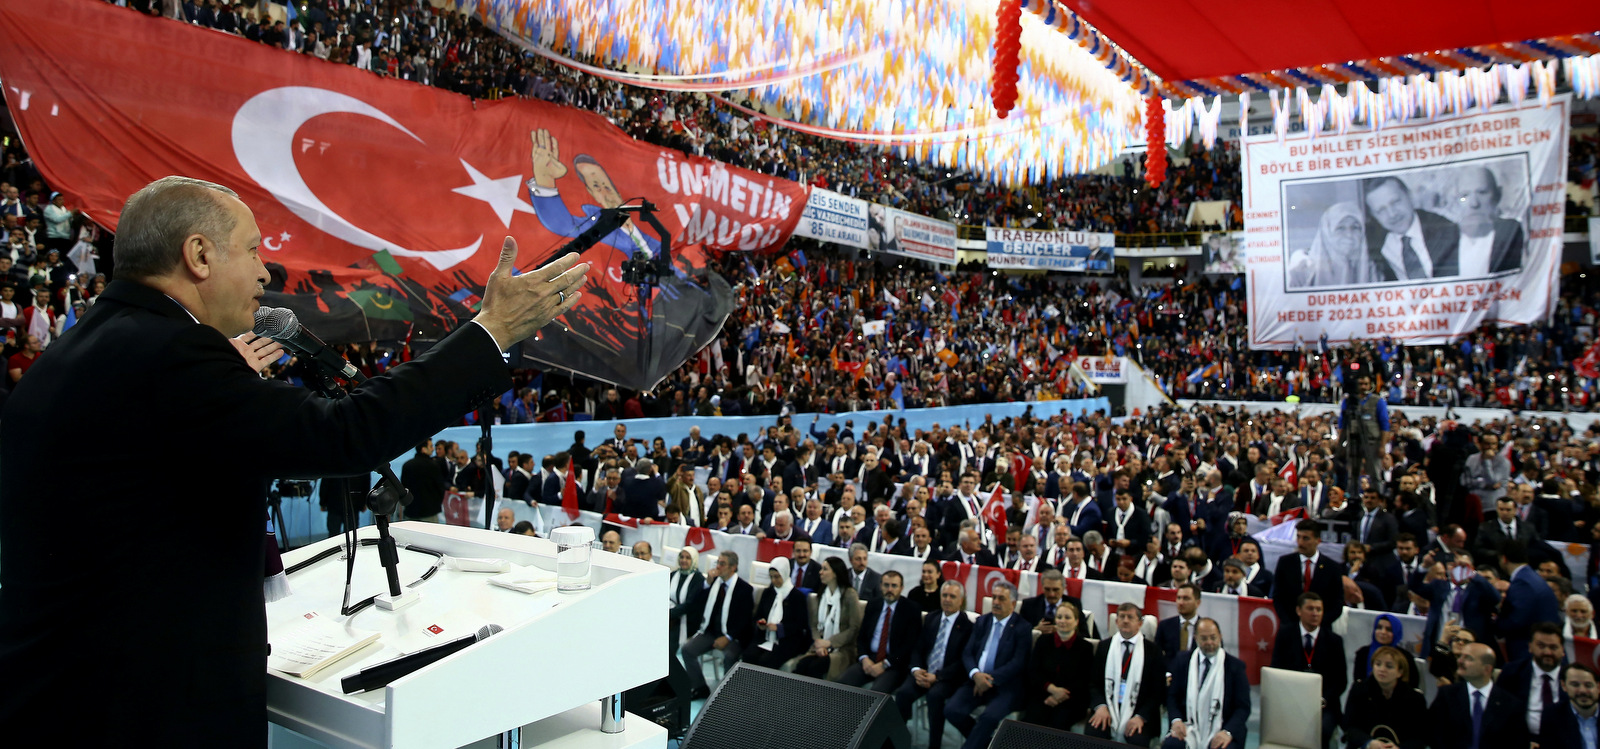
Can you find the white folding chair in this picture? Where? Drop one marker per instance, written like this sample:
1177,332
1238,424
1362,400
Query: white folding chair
1291,709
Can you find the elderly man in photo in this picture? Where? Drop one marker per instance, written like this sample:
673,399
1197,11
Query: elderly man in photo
1489,244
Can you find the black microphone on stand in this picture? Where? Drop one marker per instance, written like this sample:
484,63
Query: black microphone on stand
282,326
375,676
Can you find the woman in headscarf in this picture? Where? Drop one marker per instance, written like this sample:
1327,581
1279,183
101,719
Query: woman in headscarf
1387,631
1060,674
781,630
1383,709
1338,254
686,585
926,594
833,646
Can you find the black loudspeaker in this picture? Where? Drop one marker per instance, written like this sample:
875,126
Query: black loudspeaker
664,702
1017,735
760,708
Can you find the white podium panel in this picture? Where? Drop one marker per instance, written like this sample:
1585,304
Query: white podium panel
557,652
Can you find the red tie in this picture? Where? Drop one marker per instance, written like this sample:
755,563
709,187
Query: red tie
1308,574
1074,574
883,635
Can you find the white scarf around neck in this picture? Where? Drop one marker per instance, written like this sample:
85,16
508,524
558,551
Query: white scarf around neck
1121,707
829,610
1204,701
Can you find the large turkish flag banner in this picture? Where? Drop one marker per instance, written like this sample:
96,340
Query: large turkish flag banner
382,203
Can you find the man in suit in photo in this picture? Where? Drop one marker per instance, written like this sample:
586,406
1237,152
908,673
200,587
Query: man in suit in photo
1536,679
887,638
1572,721
1304,644
863,579
936,664
1484,234
996,661
1307,571
156,349
1175,634
1130,684
1467,597
1471,712
1403,242
1527,601
727,619
1185,716
1493,535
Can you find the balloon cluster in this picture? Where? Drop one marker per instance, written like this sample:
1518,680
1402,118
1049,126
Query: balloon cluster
1155,136
1007,56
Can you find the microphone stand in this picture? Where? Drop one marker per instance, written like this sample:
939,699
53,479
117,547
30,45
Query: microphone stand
385,499
486,451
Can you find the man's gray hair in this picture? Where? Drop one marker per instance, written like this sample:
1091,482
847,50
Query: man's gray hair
1006,586
857,547
1093,537
959,589
1052,576
643,465
782,515
156,220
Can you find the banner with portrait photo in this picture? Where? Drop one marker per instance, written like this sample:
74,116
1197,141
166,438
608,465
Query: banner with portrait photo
1419,232
1028,249
897,232
831,217
1224,252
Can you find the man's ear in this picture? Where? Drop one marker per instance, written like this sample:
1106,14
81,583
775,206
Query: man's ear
197,255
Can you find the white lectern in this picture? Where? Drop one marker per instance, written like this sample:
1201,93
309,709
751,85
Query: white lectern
558,656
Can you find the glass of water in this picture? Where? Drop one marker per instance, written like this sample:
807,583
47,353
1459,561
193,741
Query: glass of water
574,544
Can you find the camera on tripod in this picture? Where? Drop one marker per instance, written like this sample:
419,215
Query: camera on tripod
643,269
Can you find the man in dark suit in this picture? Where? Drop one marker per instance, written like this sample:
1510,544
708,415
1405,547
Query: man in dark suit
727,619
1404,243
1040,611
1483,232
1467,594
996,661
334,493
1175,634
518,478
970,551
1506,526
863,579
1127,526
421,475
1082,514
1528,601
936,668
1371,524
1471,712
1303,644
609,495
1578,703
155,350
887,638
1536,679
1128,709
725,464
1185,716
644,491
555,480
1289,580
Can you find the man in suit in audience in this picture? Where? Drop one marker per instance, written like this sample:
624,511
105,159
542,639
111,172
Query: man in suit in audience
1466,594
1130,684
970,551
1040,611
609,495
1127,527
936,668
863,579
1082,514
1304,644
727,620
888,636
806,571
1175,634
1307,571
1494,534
1185,716
1256,575
1471,712
1371,524
996,660
1564,724
1536,680
1528,601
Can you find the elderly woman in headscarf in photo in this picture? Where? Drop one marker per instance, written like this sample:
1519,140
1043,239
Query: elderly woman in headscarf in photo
686,584
1338,254
833,631
781,630
1387,632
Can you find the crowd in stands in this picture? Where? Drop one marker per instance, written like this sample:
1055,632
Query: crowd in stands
1462,524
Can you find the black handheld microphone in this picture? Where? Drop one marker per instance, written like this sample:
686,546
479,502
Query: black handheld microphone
282,326
373,677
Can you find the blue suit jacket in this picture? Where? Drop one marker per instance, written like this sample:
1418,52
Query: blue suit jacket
1088,520
1235,695
1011,657
550,493
1174,659
1527,602
1478,604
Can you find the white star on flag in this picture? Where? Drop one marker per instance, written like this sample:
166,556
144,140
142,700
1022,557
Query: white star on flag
500,194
